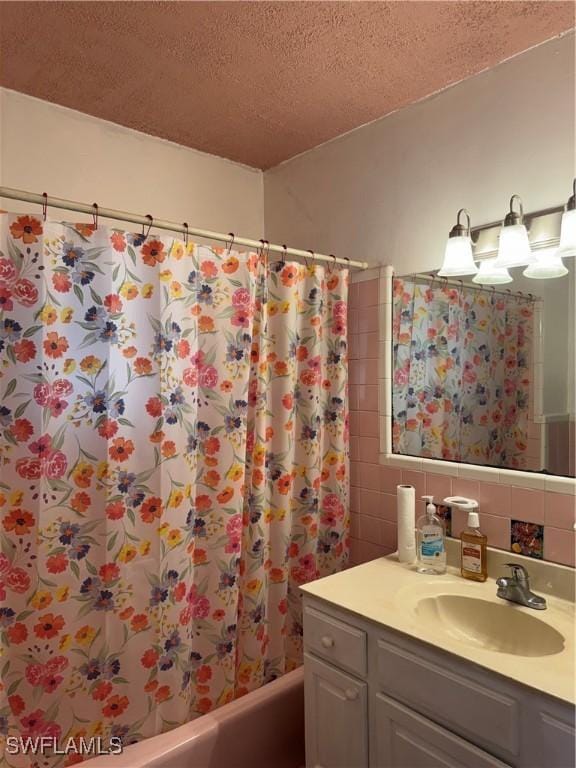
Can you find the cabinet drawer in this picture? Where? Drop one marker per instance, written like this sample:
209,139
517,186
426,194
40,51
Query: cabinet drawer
461,704
331,639
407,740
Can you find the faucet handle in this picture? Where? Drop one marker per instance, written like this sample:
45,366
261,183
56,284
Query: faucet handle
519,573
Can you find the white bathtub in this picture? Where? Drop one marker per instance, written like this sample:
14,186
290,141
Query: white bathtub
264,729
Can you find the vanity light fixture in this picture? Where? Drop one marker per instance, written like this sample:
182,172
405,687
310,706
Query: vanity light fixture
514,246
490,274
548,264
568,227
458,257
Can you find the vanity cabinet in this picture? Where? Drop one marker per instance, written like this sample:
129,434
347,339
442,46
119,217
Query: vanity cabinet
376,698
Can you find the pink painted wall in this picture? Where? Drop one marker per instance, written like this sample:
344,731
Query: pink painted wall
534,461
560,434
373,486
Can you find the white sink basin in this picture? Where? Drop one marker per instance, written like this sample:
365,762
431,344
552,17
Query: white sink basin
504,627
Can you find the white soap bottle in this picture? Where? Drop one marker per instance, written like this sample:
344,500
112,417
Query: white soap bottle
431,536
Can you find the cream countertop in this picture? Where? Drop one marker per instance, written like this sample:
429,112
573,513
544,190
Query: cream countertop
387,592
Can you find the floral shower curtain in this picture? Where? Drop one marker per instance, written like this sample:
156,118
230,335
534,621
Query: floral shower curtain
174,463
462,379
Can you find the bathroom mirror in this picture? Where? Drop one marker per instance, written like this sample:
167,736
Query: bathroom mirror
485,375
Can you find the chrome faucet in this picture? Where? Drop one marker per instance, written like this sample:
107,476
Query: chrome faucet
516,588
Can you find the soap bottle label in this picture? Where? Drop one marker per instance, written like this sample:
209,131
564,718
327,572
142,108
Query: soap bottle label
432,545
472,557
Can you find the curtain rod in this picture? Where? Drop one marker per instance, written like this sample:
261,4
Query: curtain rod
134,218
461,284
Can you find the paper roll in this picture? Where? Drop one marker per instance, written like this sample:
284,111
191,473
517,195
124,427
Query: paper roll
406,510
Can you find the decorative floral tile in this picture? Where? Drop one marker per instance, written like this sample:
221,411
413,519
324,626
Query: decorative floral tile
445,513
527,539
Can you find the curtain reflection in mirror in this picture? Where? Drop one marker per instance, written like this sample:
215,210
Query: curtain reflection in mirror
462,370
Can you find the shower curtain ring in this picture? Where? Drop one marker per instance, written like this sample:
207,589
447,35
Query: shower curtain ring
265,253
44,206
229,244
332,267
306,260
150,222
284,253
186,234
95,215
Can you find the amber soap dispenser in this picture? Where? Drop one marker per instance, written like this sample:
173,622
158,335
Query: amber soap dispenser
473,562
473,543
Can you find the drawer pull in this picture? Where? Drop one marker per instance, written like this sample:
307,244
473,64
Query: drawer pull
327,642
351,694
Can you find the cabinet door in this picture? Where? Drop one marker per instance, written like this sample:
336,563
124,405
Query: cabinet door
336,717
556,740
404,739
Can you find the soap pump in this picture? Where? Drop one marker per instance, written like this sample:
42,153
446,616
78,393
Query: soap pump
431,536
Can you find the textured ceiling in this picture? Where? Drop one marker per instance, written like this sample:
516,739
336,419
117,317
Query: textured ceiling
258,82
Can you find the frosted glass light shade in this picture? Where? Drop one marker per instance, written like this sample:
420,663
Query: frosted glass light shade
548,264
458,258
490,274
568,234
514,247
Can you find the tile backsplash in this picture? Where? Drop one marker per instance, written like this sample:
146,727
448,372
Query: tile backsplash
539,522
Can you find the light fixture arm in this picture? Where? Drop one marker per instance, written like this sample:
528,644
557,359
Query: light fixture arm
514,217
571,204
459,230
